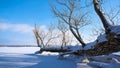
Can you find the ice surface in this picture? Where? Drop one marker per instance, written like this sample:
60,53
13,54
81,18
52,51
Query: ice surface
25,57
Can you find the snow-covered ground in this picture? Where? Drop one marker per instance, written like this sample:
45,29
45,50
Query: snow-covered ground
25,57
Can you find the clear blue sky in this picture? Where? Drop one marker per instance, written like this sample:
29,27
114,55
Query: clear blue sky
25,11
18,15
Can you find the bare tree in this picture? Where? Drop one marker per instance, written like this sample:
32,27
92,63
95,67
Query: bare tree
63,29
43,37
39,35
51,35
36,33
72,15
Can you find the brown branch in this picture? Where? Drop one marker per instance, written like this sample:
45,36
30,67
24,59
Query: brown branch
36,37
51,39
67,16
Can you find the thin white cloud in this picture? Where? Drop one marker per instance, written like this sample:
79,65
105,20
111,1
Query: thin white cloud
25,28
21,28
43,27
4,26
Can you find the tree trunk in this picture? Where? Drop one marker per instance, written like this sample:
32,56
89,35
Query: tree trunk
101,15
54,50
78,37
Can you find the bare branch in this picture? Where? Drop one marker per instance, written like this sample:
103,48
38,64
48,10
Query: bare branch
113,14
68,14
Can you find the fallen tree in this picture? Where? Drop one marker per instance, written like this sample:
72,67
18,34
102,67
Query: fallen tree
105,44
103,48
99,48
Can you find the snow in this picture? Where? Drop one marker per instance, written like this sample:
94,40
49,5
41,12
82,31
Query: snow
116,29
101,38
25,57
89,45
106,61
105,65
23,50
79,47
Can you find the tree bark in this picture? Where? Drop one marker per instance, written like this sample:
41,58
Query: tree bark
101,15
78,37
54,50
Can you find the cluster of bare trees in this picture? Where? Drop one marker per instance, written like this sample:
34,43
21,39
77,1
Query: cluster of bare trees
54,36
72,17
44,37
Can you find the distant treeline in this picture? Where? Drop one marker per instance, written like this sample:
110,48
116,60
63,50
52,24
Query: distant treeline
18,46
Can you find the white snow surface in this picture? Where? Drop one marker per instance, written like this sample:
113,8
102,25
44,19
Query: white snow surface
116,29
25,57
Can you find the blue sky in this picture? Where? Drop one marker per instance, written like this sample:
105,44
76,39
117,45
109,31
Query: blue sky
17,19
17,15
25,11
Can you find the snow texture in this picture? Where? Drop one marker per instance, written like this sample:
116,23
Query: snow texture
115,29
25,57
101,38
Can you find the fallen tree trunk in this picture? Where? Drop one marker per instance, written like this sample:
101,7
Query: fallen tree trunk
54,50
102,48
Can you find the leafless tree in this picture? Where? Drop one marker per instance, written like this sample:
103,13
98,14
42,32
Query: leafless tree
72,15
51,35
63,29
39,35
36,33
36,36
43,37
